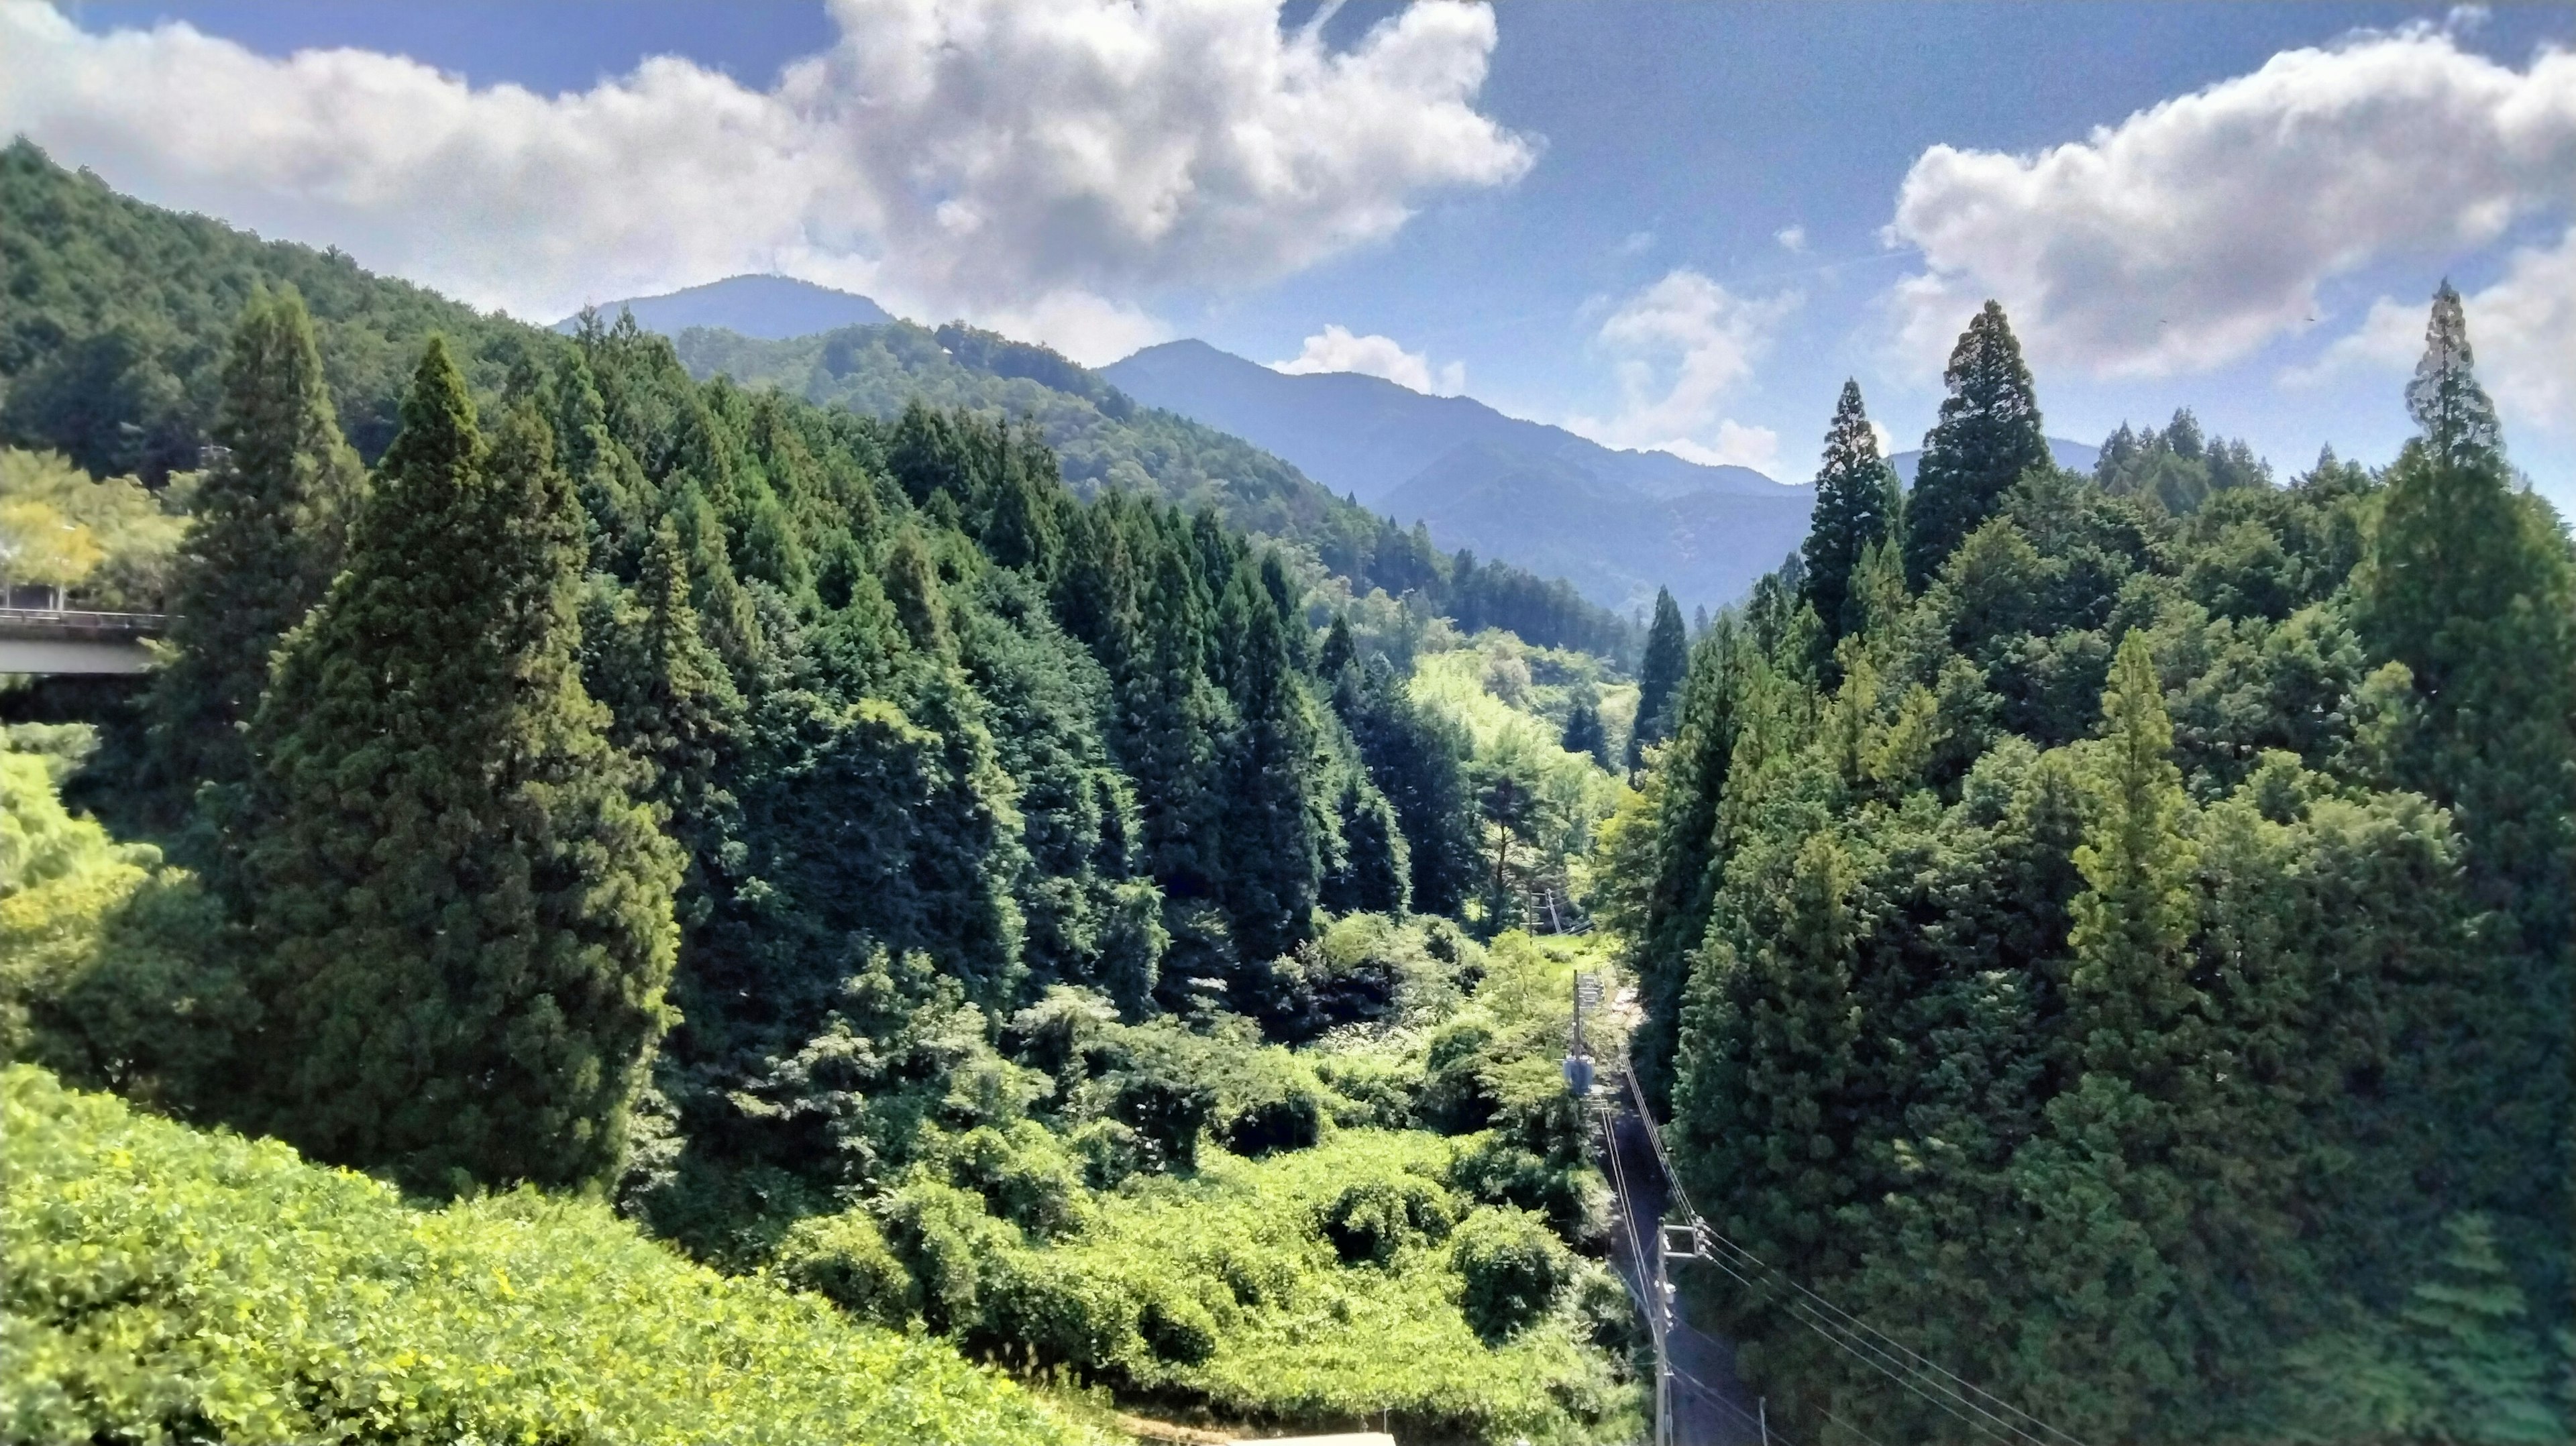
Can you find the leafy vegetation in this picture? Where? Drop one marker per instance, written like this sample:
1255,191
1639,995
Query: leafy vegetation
836,843
169,1284
2104,957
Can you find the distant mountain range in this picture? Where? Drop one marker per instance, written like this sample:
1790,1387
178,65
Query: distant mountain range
771,308
1615,524
2073,456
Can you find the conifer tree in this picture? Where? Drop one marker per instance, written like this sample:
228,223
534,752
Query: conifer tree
266,540
1988,436
2471,585
1271,848
1417,759
1339,650
2132,922
1583,731
675,706
1854,492
1659,677
465,916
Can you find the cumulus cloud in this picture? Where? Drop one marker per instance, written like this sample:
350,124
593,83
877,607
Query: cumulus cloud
1335,349
2523,329
2194,232
1791,238
1049,158
1679,347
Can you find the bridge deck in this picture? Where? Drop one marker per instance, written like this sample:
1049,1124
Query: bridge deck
46,640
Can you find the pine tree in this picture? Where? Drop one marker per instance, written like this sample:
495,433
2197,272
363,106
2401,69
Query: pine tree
1659,677
266,540
1988,436
1854,489
465,916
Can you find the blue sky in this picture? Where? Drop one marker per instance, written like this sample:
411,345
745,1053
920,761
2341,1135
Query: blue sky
1662,224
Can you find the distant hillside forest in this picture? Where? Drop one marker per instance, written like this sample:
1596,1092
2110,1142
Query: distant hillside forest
2114,933
112,345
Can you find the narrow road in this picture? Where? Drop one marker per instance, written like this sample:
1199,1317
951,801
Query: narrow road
1710,1406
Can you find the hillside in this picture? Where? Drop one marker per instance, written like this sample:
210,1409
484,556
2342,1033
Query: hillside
768,307
112,345
1617,524
153,1295
1104,438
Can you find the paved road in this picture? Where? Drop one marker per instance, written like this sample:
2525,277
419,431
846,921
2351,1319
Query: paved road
1710,1406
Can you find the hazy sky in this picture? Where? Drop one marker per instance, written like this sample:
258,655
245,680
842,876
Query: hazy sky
1664,225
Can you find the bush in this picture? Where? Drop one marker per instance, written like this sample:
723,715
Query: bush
844,1259
166,1283
1372,1219
1513,1269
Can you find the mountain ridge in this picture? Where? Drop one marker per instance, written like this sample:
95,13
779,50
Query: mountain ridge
766,306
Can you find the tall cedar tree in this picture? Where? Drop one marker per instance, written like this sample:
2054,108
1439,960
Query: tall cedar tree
1856,506
1988,436
1271,849
266,540
1417,758
465,917
2471,586
1659,677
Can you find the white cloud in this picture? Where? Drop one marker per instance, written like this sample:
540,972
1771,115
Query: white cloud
2523,329
2194,232
1679,347
1335,349
1048,158
1791,238
1636,243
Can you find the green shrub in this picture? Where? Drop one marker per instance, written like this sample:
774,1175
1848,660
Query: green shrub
1513,1269
844,1258
165,1283
1372,1219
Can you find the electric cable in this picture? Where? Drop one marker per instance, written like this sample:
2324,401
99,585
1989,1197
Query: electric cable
1834,1323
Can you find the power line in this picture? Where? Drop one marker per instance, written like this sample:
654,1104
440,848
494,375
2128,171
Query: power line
1848,1332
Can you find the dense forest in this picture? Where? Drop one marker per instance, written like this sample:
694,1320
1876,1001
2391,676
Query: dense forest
866,865
868,887
2113,932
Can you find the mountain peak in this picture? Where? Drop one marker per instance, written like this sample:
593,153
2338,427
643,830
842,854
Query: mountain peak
772,308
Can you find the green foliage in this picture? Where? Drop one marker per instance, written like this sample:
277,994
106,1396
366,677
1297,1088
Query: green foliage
266,534
990,840
1858,505
464,919
2109,969
1988,436
117,335
1513,1270
153,1294
1659,677
103,543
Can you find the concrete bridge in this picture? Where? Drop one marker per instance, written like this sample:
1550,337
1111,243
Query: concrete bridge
55,641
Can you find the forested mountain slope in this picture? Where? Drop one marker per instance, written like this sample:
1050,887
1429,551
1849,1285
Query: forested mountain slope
1104,439
857,855
2130,957
1617,524
112,344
